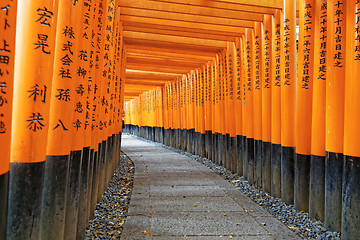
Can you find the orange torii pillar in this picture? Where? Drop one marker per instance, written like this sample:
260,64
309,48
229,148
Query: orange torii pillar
244,79
213,110
32,86
288,60
257,91
196,112
232,144
226,139
276,77
238,78
216,113
267,55
351,193
249,104
7,56
334,126
208,111
221,116
317,165
183,99
202,112
60,123
304,95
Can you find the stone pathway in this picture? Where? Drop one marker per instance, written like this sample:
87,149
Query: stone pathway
175,197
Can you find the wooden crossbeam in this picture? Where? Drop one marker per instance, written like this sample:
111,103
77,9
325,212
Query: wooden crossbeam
211,36
155,52
159,69
143,21
156,83
248,18
166,57
148,75
200,7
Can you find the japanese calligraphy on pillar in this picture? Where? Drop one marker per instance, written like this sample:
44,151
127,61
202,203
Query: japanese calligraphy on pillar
307,46
267,54
277,51
257,60
33,75
7,54
357,32
323,32
339,52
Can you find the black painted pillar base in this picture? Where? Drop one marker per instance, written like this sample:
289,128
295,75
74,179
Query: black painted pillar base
239,155
287,174
193,141
25,197
266,166
350,201
232,153
90,183
4,194
317,187
84,189
258,163
202,145
276,170
95,182
54,197
245,157
215,148
227,155
220,150
302,182
333,190
251,160
196,143
208,145
73,195
184,140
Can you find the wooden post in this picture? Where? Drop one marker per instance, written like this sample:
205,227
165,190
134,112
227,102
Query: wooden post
36,29
8,31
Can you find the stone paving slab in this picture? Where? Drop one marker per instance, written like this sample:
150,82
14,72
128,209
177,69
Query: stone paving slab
175,197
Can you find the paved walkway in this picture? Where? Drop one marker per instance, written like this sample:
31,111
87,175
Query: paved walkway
175,197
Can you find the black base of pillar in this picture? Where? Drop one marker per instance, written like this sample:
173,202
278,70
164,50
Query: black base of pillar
4,194
25,197
54,197
333,190
266,166
276,170
302,182
208,145
73,195
245,157
350,201
317,187
258,163
232,153
239,155
287,174
251,160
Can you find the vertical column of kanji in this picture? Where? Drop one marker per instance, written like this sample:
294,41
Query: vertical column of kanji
71,30
8,31
276,105
249,102
232,107
288,101
266,102
213,111
304,104
334,123
36,30
94,94
351,192
238,106
61,103
257,83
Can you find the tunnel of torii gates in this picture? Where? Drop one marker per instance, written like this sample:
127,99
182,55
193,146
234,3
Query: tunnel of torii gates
229,80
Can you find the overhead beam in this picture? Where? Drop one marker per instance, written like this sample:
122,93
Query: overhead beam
148,47
198,7
161,57
151,60
210,36
156,83
247,18
159,69
156,52
142,21
148,75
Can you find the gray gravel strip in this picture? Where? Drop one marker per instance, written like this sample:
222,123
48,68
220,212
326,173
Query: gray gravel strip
111,211
299,222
